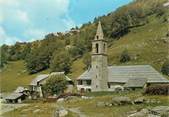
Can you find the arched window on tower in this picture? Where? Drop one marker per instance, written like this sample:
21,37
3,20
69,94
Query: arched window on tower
97,37
97,48
104,47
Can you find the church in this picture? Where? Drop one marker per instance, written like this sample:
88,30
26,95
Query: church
101,77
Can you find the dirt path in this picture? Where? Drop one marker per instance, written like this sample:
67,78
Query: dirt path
77,111
9,107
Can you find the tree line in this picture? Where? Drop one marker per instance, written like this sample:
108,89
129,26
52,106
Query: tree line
57,52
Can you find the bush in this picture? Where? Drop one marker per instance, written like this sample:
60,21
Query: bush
56,84
61,61
125,57
165,68
157,90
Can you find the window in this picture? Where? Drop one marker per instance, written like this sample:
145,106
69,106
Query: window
88,82
96,86
104,47
96,76
97,37
97,48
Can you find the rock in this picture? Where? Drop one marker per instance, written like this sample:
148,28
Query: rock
85,97
151,115
100,104
159,110
139,100
108,104
121,100
153,101
63,113
142,113
61,100
36,111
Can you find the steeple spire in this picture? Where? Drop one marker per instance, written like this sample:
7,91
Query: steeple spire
99,34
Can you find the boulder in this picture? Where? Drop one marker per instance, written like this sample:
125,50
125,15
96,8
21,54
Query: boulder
159,110
139,100
61,100
100,104
62,112
36,111
121,100
142,113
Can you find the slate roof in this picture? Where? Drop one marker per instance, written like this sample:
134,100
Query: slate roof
39,78
136,82
20,89
14,96
121,74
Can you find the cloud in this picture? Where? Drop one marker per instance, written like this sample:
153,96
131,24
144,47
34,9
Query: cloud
6,39
28,20
22,16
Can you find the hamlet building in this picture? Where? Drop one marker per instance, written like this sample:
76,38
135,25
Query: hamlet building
37,83
101,77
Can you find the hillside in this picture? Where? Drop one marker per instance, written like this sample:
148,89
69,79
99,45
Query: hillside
144,38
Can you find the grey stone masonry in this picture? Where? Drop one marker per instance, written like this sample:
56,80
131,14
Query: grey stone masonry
99,62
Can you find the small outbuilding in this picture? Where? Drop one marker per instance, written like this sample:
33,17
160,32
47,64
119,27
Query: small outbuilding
40,80
15,97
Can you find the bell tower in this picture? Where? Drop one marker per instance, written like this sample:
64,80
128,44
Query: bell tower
99,61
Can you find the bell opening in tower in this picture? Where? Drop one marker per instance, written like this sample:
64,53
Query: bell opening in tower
97,48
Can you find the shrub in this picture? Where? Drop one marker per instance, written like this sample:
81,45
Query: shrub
157,90
56,84
125,57
165,68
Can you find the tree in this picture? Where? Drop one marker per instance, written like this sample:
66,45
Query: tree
61,61
3,55
125,57
165,68
87,60
56,84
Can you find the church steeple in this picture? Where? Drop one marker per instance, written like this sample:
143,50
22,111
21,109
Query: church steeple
99,44
99,61
99,34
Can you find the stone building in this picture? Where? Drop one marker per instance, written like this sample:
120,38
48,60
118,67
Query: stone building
101,77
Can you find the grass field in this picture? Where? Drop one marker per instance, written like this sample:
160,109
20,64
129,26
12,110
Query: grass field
14,75
88,107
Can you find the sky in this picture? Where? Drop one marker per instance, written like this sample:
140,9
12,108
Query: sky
29,20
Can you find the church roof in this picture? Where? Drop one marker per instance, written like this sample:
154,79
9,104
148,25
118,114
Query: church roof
136,82
121,74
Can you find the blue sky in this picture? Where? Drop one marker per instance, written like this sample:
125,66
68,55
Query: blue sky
29,20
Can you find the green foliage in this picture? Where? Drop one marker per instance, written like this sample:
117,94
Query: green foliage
56,84
125,57
3,55
87,60
165,68
61,61
40,57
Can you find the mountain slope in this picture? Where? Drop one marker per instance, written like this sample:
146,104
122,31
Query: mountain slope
146,44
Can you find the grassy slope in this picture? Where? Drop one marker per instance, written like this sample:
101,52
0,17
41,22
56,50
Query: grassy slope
15,75
145,42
